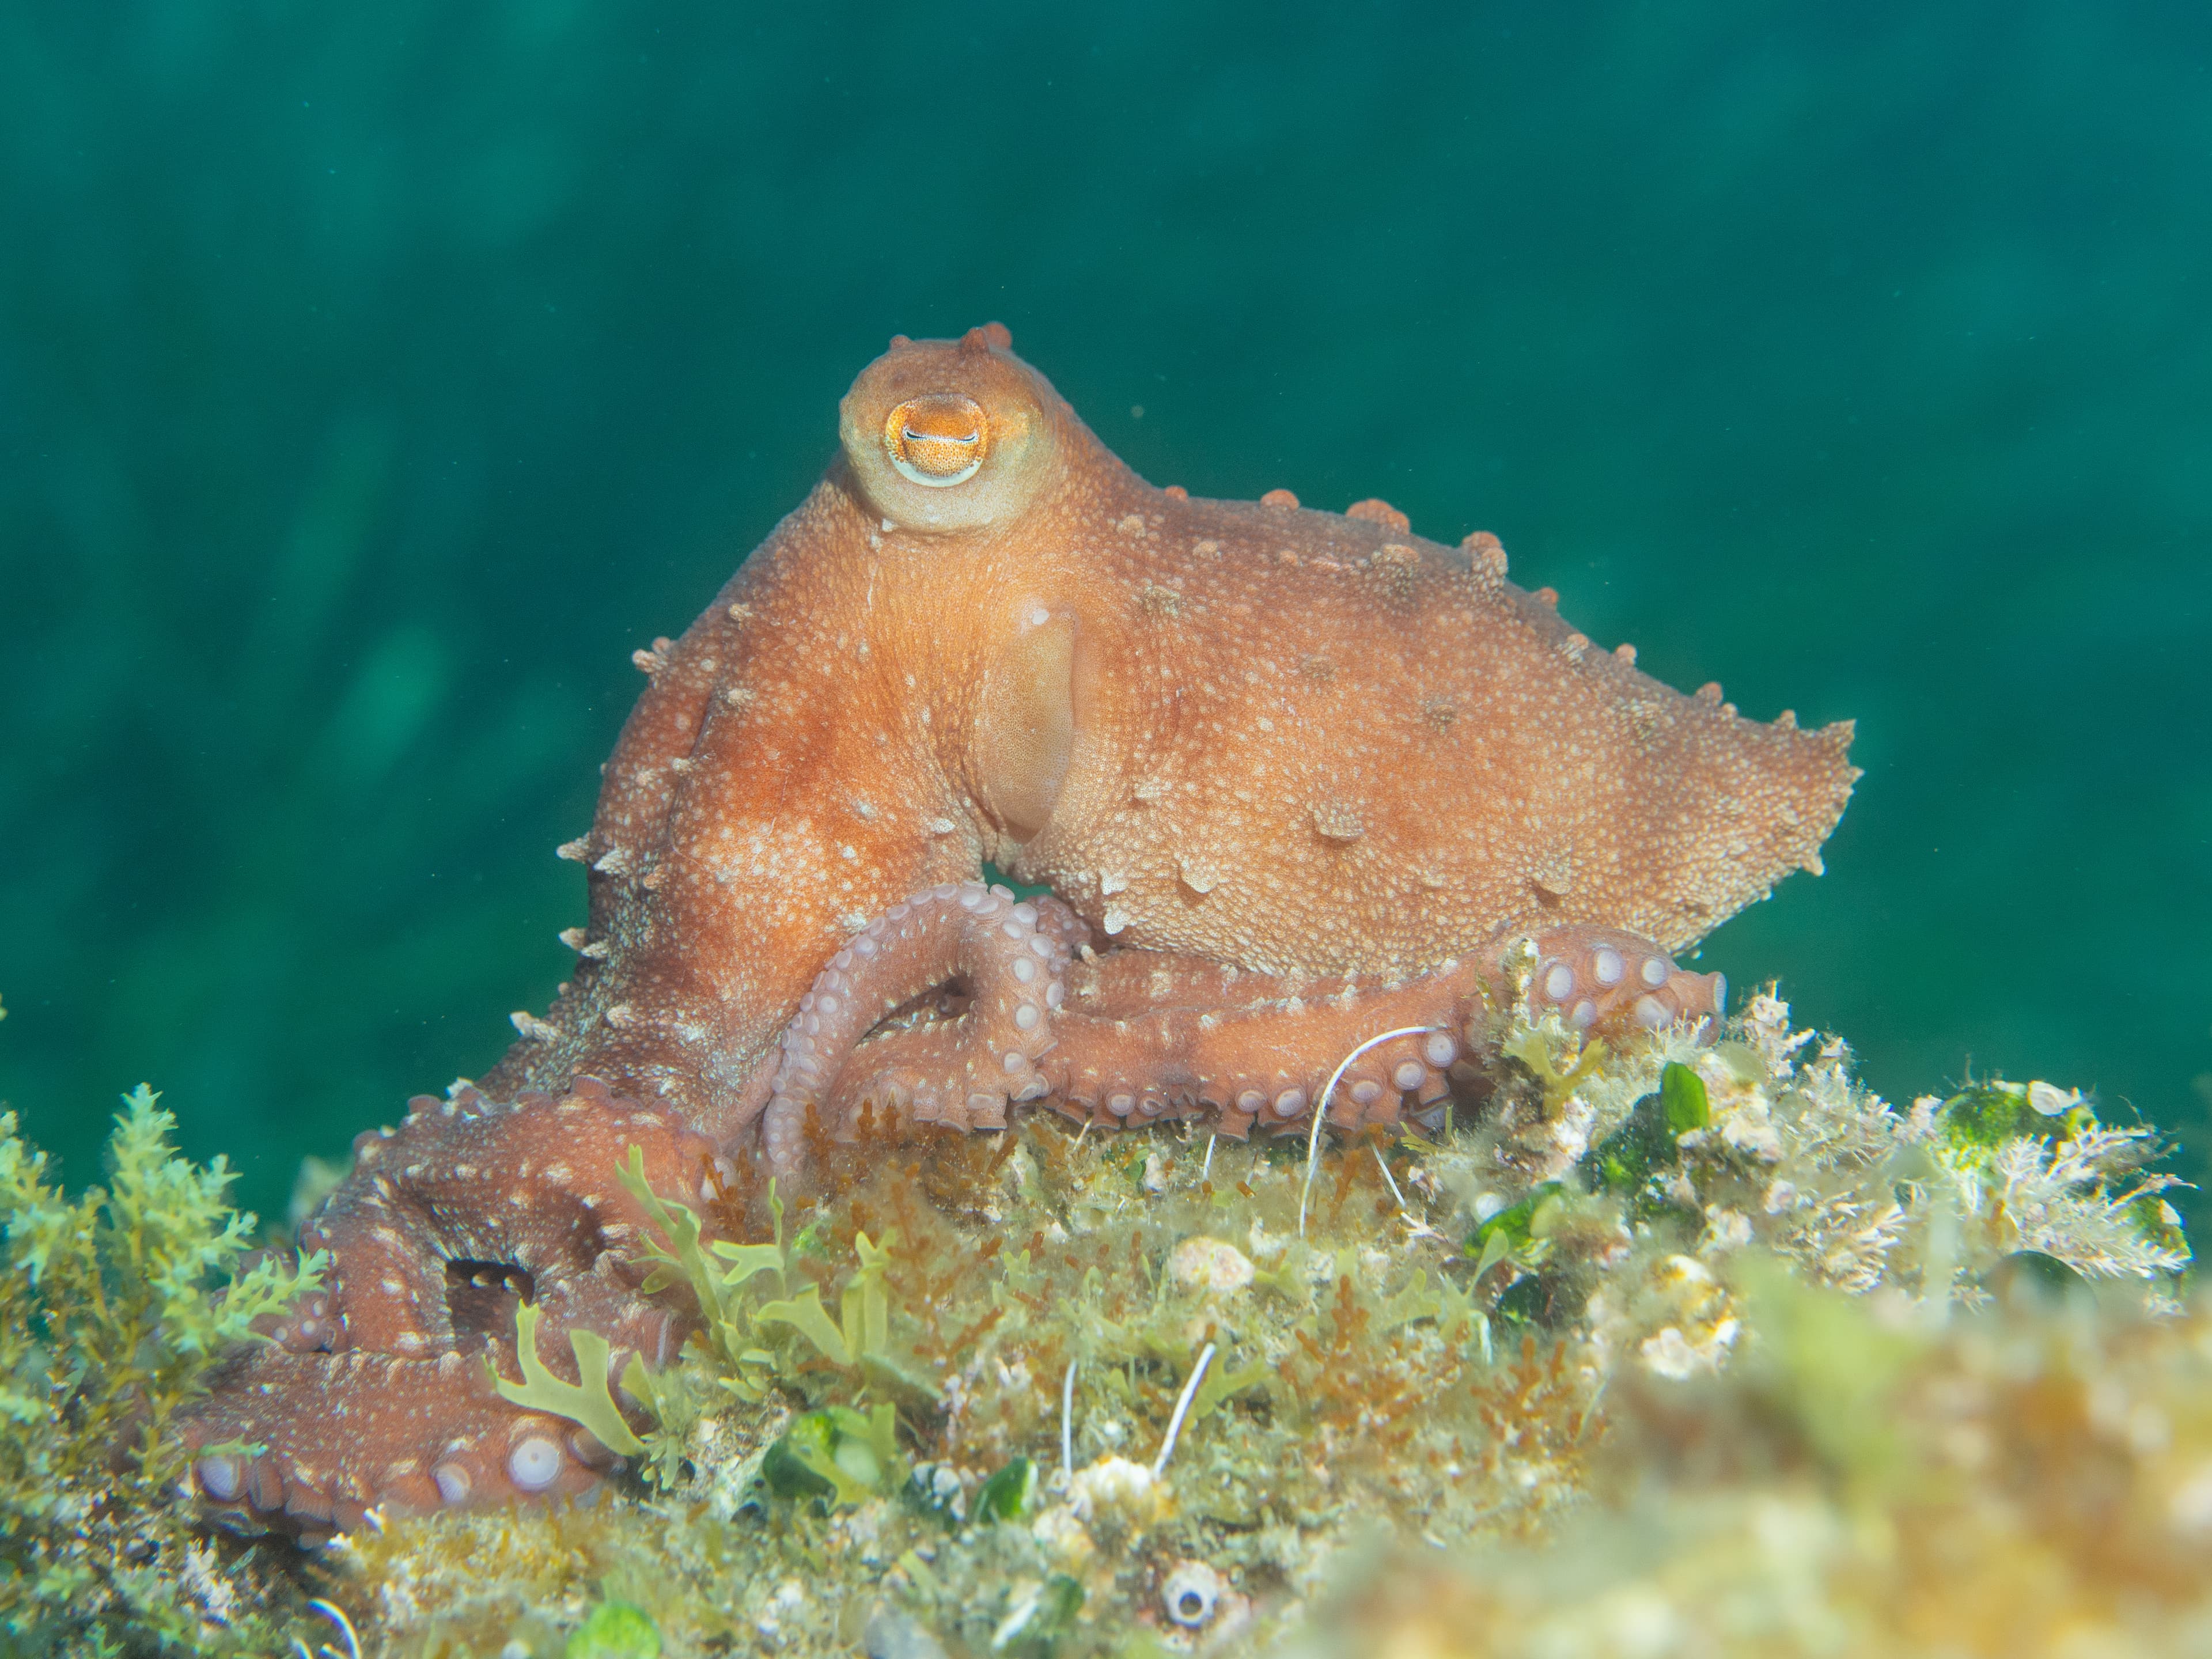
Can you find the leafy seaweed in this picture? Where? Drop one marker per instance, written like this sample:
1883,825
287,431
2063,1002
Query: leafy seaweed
836,1453
1005,1495
590,1402
757,1348
1515,1233
1683,1099
1646,1141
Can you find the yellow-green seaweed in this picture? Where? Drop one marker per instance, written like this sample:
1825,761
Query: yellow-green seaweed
114,1306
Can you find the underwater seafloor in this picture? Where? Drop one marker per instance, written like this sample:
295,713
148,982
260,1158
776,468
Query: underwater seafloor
1672,1348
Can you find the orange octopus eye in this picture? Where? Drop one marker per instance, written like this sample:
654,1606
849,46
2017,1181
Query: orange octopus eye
938,440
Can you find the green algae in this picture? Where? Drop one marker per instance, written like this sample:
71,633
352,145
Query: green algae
614,1629
114,1307
1982,1116
1634,1161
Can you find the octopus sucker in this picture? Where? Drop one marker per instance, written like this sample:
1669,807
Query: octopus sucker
1290,779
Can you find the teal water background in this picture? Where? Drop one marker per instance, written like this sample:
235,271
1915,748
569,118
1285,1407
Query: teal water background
372,380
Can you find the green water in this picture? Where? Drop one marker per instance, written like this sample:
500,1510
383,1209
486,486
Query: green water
371,381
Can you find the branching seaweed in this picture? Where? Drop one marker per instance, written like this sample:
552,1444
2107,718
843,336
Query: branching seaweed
112,1311
590,1401
754,1348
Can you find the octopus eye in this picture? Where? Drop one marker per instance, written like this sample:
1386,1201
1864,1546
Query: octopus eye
938,440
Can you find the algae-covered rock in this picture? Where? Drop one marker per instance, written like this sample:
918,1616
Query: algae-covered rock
1722,1286
1668,1349
1861,1482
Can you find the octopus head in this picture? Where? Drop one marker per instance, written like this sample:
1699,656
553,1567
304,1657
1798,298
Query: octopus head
944,436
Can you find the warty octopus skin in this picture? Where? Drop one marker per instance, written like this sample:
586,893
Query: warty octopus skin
1293,778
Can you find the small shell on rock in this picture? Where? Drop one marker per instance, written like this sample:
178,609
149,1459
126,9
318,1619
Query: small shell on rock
1209,1266
1115,1489
2051,1100
1191,1593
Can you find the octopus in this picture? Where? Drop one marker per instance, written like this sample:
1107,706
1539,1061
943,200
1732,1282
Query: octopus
1302,799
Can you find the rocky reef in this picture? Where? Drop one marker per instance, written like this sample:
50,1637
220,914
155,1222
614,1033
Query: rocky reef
1663,1348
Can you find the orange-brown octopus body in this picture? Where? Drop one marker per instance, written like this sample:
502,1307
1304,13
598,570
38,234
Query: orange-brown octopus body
1269,742
1294,779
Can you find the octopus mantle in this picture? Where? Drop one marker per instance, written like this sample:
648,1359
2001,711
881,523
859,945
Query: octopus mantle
1293,779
